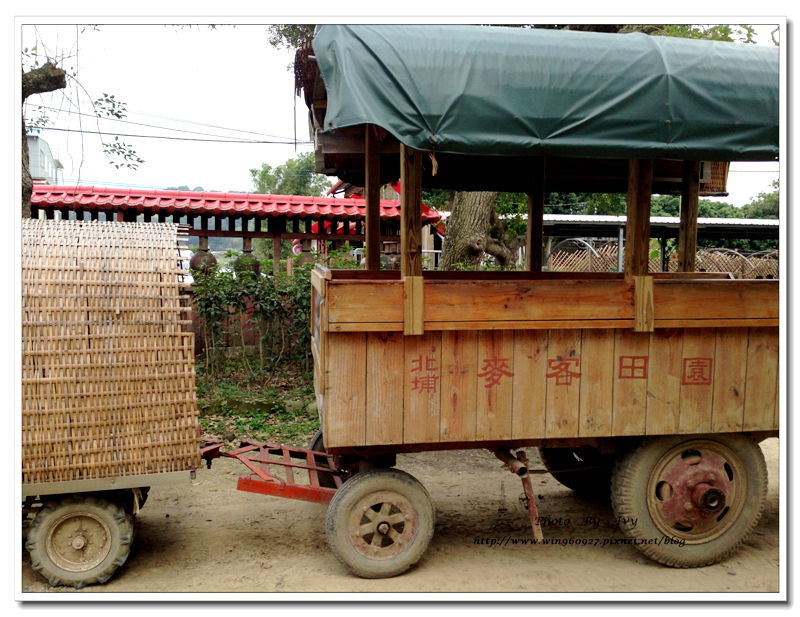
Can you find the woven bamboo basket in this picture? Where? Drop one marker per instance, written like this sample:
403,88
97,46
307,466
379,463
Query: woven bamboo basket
717,184
108,387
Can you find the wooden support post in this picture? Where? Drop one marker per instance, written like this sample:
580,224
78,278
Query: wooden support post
643,309
637,250
276,254
411,239
533,253
637,235
690,205
372,197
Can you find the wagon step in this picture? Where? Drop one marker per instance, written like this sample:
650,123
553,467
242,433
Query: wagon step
308,475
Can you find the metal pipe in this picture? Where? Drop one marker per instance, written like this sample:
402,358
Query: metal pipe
512,462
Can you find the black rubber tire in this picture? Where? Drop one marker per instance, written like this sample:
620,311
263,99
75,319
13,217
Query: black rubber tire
108,541
317,444
629,488
349,506
567,466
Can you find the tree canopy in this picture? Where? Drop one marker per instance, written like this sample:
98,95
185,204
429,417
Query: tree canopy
294,177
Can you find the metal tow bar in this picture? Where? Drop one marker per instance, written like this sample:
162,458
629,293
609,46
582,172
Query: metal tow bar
305,472
519,465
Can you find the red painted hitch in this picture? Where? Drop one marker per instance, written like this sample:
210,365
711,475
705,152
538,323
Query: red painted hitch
305,472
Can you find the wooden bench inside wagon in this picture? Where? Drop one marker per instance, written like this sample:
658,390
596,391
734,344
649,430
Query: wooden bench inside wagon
659,385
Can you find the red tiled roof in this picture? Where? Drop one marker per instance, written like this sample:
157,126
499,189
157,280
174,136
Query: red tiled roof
225,204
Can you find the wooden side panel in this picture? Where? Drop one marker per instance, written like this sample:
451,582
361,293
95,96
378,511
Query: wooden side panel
450,301
422,387
729,380
731,299
459,383
597,383
563,379
697,377
631,367
530,366
365,301
761,384
664,382
384,415
345,390
495,383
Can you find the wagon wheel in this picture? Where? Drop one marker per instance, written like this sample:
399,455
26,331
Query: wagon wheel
690,501
79,540
317,444
584,469
380,522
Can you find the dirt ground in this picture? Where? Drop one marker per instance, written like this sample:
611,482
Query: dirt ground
205,536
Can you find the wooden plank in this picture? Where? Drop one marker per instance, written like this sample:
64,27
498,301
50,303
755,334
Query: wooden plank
664,382
730,372
637,228
535,230
385,357
413,305
530,366
631,367
422,388
410,211
495,384
531,300
345,390
459,385
690,207
563,379
597,383
716,323
715,299
643,303
483,301
372,198
697,376
761,391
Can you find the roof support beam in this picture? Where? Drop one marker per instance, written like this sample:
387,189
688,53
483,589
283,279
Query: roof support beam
690,206
637,253
637,234
372,197
411,239
533,254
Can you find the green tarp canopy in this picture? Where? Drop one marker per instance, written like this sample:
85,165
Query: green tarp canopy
526,92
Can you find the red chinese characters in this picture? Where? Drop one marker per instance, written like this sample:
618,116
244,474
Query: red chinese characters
633,367
697,371
427,379
493,370
564,370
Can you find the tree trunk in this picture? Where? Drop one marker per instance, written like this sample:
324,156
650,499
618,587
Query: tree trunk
45,78
467,228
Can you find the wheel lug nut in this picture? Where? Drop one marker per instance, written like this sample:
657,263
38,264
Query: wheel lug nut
690,485
712,477
688,507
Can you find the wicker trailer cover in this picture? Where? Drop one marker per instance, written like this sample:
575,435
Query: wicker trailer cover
108,387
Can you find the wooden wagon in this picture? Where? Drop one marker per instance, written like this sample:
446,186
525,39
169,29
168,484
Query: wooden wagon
657,384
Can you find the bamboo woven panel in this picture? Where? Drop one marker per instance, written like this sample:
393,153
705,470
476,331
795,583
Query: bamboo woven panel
108,385
718,181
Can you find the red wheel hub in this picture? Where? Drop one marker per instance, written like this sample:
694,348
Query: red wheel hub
693,489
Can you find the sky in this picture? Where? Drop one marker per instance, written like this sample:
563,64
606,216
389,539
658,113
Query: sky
182,84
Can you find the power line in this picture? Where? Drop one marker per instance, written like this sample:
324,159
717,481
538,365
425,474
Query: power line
166,128
226,141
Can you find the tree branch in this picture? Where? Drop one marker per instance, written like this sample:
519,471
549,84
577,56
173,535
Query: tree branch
45,78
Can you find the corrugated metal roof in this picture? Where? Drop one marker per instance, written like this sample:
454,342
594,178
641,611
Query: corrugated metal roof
656,220
218,204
